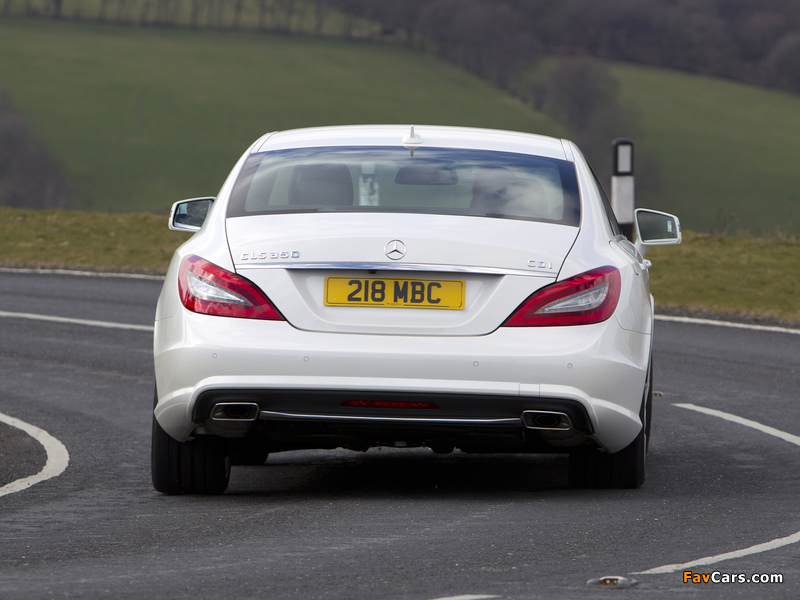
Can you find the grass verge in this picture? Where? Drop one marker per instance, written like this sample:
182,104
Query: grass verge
94,241
745,277
740,277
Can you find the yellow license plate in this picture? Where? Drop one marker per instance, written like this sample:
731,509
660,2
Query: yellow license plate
394,293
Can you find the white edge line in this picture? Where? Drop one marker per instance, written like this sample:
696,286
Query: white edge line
54,319
57,456
758,548
792,439
667,318
710,560
101,274
467,597
695,321
674,319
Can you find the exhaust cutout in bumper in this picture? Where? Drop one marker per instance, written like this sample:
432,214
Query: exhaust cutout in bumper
232,419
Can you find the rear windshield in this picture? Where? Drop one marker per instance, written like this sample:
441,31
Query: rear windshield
428,181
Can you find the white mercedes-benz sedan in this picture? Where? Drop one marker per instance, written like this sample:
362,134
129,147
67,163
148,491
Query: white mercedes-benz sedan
363,286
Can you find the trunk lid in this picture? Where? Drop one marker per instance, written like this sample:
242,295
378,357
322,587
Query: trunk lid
493,263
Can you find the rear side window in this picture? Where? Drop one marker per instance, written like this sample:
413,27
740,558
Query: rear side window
429,181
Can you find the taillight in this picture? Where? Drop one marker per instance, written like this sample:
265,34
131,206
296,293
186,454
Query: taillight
211,290
590,297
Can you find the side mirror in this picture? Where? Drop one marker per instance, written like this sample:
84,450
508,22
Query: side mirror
189,215
654,228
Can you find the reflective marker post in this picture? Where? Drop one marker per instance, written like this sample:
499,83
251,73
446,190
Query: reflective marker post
622,198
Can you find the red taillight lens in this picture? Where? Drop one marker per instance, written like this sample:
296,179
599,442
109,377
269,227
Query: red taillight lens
590,297
211,290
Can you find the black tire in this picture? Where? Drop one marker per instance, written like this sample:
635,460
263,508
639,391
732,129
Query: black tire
647,418
199,466
591,468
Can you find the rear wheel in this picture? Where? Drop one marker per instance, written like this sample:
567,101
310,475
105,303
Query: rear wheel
591,468
199,466
647,418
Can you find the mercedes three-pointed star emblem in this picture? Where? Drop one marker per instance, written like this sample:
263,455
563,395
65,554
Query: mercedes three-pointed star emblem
395,249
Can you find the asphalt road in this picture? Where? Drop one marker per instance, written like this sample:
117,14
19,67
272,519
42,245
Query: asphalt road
394,524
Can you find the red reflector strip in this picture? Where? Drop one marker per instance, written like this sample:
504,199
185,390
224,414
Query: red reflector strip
387,404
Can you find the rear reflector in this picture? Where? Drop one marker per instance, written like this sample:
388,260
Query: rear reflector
388,404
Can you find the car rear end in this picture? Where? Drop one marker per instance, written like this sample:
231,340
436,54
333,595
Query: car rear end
358,287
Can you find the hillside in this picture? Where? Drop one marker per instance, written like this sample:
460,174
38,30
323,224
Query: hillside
139,117
142,117
727,151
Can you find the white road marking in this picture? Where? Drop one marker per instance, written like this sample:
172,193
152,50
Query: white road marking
758,548
788,437
54,319
710,560
57,456
693,321
467,597
81,273
666,318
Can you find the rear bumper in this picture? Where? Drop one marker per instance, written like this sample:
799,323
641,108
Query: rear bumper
289,419
482,384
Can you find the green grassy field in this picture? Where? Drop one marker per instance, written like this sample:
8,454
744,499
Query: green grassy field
744,277
727,151
140,118
86,240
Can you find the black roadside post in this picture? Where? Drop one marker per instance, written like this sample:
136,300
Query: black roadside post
622,192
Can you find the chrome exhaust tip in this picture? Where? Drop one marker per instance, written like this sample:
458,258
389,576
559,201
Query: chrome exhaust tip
232,419
546,420
235,411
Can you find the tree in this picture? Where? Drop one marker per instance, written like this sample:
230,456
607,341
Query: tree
486,38
783,63
580,91
28,176
582,94
756,34
401,16
321,10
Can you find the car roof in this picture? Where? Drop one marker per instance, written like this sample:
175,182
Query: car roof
415,136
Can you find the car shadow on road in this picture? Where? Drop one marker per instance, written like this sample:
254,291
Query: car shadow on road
385,471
